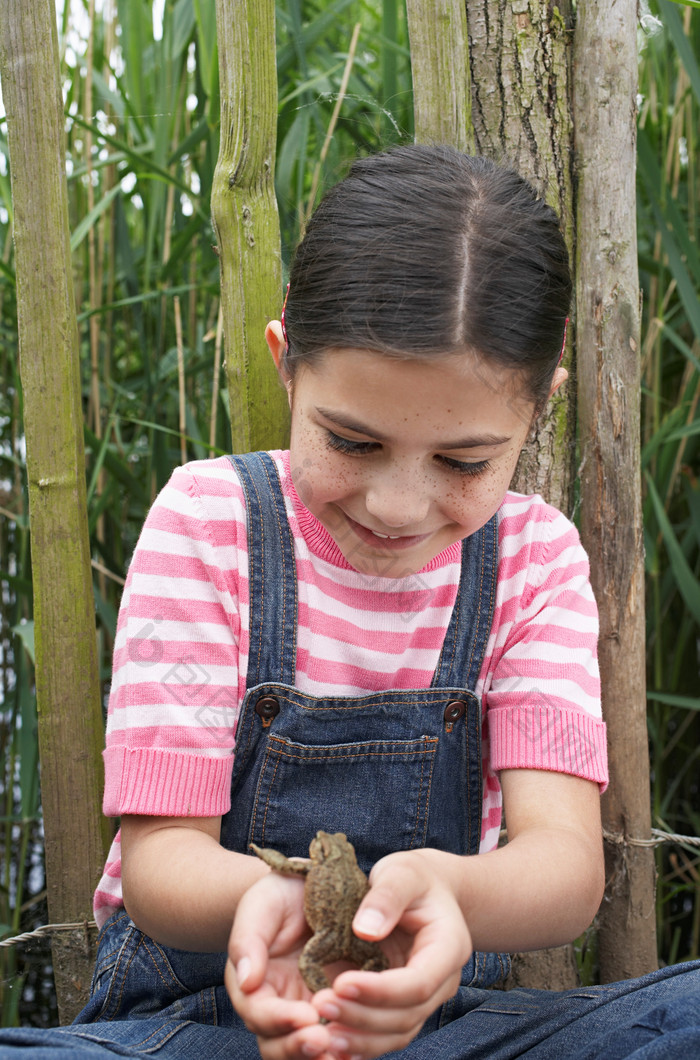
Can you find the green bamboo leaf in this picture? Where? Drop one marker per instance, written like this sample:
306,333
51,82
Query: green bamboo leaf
672,19
89,220
138,155
25,632
183,26
205,14
685,702
686,581
306,35
688,3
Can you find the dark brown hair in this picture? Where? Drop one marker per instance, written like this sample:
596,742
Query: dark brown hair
422,251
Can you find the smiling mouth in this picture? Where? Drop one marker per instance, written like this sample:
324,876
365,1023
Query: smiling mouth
390,541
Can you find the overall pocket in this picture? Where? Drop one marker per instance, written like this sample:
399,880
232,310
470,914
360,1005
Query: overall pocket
376,791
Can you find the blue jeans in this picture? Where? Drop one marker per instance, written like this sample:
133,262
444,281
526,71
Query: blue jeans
653,1018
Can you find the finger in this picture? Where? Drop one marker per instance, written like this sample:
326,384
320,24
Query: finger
269,919
264,1012
394,886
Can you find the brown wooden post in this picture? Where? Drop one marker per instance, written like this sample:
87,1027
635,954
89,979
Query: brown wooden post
513,62
608,341
68,692
442,103
520,60
244,211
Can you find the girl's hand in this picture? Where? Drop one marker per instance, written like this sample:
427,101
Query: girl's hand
369,1013
262,975
427,940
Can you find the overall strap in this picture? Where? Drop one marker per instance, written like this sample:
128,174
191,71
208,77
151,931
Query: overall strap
272,582
468,632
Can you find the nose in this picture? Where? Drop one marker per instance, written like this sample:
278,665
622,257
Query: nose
399,498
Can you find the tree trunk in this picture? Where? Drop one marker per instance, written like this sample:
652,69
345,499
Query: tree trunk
520,72
244,212
442,103
517,59
68,695
608,338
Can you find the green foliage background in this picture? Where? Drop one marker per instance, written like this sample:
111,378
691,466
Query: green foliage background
142,112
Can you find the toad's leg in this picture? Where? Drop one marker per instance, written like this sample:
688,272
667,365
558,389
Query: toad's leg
322,948
368,955
278,862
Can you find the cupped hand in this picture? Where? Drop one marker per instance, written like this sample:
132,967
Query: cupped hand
409,908
412,907
262,974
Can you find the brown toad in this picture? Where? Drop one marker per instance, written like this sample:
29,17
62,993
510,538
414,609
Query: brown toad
334,887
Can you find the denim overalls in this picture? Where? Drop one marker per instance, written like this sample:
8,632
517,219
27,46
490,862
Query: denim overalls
393,770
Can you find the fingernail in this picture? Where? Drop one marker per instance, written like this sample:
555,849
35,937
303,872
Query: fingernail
243,970
311,1050
350,992
370,921
330,1011
339,1045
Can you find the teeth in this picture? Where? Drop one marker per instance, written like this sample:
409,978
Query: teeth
391,537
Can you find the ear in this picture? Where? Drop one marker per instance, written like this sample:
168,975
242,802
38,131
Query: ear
560,376
276,344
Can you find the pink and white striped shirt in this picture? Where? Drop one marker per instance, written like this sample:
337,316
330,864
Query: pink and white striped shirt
181,650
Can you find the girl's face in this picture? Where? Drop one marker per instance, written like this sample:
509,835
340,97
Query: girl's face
400,458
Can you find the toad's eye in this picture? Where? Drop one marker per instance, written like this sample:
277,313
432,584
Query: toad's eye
347,445
465,467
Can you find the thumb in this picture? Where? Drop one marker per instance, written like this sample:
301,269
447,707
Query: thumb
395,883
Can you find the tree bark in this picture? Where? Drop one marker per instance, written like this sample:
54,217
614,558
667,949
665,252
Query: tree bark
519,54
440,70
608,338
68,693
244,212
517,68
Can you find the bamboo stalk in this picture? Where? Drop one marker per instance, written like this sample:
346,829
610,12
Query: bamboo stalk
608,340
218,342
68,697
244,211
440,67
332,124
181,380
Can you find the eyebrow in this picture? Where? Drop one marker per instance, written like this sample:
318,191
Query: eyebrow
473,442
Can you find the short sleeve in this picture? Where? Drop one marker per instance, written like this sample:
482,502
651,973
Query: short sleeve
177,676
541,677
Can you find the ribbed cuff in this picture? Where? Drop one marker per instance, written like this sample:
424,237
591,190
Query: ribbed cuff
565,741
165,783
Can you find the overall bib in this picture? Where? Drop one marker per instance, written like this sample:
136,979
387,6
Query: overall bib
394,770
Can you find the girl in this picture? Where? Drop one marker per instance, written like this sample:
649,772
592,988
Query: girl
370,634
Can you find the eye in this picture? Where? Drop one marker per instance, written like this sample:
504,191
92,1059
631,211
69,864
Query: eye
464,467
346,445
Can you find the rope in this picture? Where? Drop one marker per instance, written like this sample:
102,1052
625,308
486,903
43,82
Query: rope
658,837
48,929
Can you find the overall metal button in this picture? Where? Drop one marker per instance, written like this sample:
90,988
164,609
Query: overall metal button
267,707
454,711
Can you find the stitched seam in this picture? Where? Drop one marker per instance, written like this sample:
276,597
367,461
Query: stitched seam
420,790
282,557
276,491
260,527
256,802
477,621
426,797
123,981
267,801
358,754
436,696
